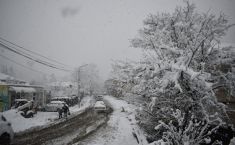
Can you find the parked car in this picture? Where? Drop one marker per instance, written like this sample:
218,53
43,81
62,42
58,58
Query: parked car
99,98
20,102
100,106
53,106
68,100
26,108
6,131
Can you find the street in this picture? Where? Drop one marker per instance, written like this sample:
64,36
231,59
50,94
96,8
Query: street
73,129
121,128
116,126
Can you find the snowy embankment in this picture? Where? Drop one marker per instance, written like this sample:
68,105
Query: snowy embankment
42,119
124,117
121,129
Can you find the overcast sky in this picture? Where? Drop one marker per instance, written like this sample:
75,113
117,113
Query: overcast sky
76,32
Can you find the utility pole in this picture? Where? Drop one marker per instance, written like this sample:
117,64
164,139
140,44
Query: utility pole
78,80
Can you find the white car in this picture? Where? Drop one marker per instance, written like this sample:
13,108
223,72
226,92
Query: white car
54,106
6,131
100,106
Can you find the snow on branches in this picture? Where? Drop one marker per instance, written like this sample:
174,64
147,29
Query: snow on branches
192,131
182,33
174,75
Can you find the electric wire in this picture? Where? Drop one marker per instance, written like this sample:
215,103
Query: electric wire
7,58
14,46
25,53
5,46
26,56
33,52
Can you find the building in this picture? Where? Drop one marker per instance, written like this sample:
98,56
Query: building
12,89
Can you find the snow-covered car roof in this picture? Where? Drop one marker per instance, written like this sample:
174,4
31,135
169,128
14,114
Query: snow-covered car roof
57,102
99,104
18,100
62,97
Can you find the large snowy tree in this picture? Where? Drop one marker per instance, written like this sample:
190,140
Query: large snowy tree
88,79
173,76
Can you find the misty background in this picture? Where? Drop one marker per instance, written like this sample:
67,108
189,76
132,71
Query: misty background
77,32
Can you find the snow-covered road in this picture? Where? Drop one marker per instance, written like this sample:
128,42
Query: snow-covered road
121,129
60,131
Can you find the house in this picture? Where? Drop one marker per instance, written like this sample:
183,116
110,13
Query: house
12,89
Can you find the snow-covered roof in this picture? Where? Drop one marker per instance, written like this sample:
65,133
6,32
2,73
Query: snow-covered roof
5,77
62,84
2,83
23,89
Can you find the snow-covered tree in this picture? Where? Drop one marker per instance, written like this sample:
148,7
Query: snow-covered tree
194,132
88,79
173,75
184,37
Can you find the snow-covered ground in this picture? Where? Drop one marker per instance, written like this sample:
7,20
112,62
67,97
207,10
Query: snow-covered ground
121,129
19,123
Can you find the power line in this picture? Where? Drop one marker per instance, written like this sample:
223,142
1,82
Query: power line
4,57
33,52
25,53
28,57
